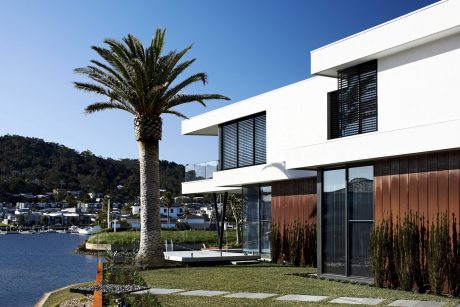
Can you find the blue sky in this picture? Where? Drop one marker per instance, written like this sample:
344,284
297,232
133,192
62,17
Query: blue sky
246,47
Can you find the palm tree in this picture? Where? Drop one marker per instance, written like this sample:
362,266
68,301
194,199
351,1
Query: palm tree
142,82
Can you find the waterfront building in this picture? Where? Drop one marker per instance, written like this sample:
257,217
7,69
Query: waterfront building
372,132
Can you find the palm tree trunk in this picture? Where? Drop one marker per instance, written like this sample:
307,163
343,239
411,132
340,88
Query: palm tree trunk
150,248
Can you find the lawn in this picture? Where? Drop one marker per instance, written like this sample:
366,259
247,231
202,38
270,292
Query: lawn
64,294
263,278
257,278
185,236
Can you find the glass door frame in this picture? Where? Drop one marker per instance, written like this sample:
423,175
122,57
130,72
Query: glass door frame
319,223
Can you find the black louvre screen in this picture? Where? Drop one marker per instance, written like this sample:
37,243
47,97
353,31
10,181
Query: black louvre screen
259,139
246,142
243,143
353,108
229,146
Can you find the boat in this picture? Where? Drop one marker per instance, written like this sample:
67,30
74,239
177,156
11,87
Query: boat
27,232
73,229
89,230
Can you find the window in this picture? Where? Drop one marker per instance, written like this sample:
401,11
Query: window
243,142
164,211
347,213
352,109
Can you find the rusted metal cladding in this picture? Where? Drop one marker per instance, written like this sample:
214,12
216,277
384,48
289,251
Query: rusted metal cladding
425,183
294,200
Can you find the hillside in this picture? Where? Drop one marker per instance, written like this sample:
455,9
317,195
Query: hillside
35,166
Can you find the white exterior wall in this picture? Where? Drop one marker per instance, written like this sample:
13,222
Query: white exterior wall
411,30
418,105
293,113
419,86
418,110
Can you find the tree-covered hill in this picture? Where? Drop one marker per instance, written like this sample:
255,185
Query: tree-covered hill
35,166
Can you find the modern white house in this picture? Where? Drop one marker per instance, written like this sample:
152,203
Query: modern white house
375,130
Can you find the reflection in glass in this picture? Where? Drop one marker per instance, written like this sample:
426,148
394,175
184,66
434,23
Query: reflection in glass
359,248
361,193
360,218
256,219
333,222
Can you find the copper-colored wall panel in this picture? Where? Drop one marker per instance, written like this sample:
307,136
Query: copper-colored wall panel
412,185
403,185
425,183
386,187
378,207
294,200
432,165
454,183
443,182
422,185
394,186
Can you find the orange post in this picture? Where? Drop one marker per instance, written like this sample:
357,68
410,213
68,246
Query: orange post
97,297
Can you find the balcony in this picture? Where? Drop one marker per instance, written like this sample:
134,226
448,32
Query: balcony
200,171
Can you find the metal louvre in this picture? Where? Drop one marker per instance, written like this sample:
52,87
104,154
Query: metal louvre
260,147
229,146
353,110
246,142
243,143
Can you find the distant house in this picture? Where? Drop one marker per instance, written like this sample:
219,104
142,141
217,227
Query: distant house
194,221
135,210
59,192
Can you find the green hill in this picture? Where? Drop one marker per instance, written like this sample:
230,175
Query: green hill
35,166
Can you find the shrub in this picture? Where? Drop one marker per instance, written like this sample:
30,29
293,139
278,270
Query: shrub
182,226
438,253
407,251
285,244
454,262
379,248
275,243
309,245
295,237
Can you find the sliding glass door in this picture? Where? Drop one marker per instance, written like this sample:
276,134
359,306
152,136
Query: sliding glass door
347,218
257,205
333,222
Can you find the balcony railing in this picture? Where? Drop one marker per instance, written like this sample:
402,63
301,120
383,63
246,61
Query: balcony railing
200,171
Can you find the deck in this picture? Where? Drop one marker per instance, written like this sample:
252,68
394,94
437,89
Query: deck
208,256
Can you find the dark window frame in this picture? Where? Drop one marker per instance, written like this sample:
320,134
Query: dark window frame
364,98
237,121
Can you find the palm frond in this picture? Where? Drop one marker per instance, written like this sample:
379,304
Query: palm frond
173,112
190,80
101,106
90,87
182,98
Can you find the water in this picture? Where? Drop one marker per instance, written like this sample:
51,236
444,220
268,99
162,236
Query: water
31,265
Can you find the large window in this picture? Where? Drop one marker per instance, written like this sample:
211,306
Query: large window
257,208
352,109
347,217
243,142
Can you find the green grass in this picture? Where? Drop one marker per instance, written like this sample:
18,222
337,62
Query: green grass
60,296
186,236
263,278
255,278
